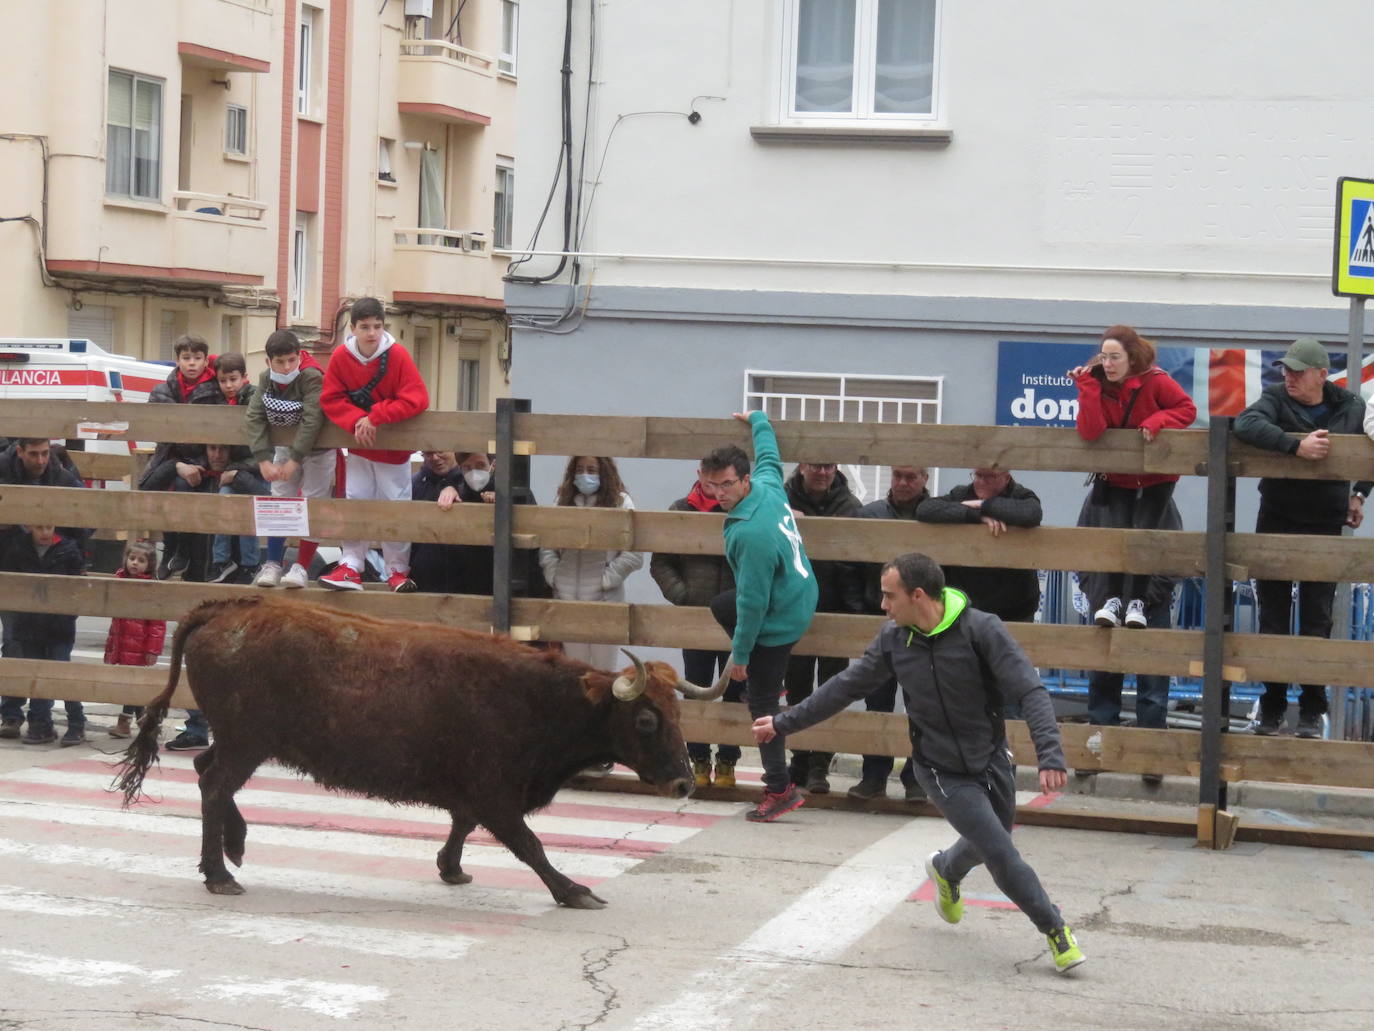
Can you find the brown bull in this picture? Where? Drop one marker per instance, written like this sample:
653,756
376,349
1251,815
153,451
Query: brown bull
481,726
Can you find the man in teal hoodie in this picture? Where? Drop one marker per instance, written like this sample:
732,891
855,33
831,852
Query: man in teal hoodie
775,590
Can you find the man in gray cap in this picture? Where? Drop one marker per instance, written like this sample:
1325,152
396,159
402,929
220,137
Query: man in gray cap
1305,403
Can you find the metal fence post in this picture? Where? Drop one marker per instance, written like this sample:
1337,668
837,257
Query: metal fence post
512,488
1217,609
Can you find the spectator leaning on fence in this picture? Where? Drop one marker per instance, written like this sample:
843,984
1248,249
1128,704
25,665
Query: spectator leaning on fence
907,493
1121,387
590,482
774,596
194,377
372,381
695,580
820,489
472,568
288,394
957,667
41,635
1295,418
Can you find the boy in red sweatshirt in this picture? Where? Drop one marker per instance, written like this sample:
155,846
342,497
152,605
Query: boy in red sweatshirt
371,380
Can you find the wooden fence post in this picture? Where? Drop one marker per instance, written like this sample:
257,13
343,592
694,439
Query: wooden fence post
1217,610
512,485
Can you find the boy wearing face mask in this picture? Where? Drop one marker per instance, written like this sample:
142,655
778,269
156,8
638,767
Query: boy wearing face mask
288,394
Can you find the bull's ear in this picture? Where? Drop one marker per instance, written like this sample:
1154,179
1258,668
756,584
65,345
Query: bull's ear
595,685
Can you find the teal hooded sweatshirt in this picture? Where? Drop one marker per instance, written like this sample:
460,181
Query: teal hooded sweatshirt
775,588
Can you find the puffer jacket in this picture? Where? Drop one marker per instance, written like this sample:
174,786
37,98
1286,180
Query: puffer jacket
956,680
833,577
692,579
589,575
131,641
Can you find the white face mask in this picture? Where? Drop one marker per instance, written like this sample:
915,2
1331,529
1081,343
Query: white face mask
587,483
283,378
477,479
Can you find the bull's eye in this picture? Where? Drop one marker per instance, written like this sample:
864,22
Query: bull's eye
646,721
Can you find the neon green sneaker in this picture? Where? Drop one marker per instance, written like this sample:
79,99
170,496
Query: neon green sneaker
947,897
1064,949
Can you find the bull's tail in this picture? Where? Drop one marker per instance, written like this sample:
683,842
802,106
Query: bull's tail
142,751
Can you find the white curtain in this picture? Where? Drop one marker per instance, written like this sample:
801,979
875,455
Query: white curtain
825,55
119,134
431,194
906,57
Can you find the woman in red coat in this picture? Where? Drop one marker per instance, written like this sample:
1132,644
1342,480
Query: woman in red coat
134,642
1121,387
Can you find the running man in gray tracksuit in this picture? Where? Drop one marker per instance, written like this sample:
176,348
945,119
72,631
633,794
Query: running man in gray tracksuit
958,667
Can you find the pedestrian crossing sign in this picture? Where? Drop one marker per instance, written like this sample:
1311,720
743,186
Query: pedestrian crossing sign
1352,274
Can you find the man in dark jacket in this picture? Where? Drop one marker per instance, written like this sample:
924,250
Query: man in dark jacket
1308,405
906,494
957,666
31,462
998,502
819,489
695,580
41,635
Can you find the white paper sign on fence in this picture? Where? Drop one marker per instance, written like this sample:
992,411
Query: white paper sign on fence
281,517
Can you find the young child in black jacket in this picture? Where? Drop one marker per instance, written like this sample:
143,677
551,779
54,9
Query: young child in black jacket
41,635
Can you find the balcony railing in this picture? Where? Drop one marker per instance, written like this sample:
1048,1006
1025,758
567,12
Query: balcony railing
446,262
472,241
217,205
449,52
439,79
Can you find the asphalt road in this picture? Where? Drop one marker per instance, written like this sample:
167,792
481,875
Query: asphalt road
821,920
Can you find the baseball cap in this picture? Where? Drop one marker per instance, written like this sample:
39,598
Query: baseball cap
1305,353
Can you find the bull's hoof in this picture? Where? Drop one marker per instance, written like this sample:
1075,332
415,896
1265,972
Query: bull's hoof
455,878
226,887
583,899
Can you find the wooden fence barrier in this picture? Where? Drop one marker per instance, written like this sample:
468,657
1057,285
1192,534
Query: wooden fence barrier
1169,652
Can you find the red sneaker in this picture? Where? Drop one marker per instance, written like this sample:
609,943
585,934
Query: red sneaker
401,583
344,578
774,805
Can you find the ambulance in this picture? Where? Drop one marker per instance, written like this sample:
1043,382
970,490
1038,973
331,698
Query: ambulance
73,370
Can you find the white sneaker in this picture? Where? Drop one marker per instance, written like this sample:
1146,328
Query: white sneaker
1109,614
1135,614
269,575
296,576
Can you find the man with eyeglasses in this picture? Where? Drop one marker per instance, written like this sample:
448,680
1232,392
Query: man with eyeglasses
819,489
775,591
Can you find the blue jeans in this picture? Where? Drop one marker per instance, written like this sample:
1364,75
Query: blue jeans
40,709
197,725
1151,689
702,667
250,553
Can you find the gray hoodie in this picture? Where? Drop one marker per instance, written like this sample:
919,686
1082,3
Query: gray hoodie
955,680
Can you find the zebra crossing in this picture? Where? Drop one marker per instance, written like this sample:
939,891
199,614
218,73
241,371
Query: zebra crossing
335,873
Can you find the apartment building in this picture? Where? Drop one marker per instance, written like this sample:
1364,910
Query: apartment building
228,167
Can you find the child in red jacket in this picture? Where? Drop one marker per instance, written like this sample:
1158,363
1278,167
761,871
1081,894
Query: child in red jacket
134,642
371,380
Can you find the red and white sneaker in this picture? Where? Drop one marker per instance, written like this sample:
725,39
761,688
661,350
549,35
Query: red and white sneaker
401,583
344,578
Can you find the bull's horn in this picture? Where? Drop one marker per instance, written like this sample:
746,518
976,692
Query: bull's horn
628,690
705,694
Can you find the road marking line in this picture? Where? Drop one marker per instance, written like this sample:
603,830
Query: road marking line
63,971
751,979
328,999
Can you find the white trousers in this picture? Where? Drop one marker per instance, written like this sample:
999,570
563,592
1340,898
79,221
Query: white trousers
378,481
313,479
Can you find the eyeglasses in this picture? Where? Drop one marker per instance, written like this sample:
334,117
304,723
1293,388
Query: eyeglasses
1107,356
721,484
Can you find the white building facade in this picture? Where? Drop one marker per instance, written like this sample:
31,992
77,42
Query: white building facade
804,199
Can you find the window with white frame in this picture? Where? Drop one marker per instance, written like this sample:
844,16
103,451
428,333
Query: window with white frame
870,61
827,397
510,33
305,59
235,129
133,137
300,268
505,205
